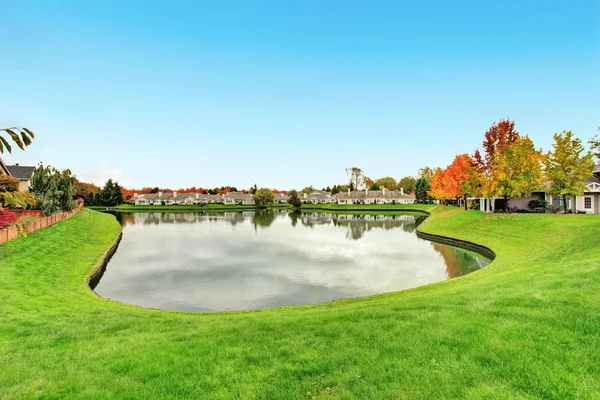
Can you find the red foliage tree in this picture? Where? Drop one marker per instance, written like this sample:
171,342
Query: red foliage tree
7,217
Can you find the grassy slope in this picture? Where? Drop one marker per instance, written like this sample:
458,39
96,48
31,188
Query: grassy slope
525,327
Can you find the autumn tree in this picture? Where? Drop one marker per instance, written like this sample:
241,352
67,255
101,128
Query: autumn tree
263,197
407,184
567,167
388,182
441,186
426,173
517,170
368,181
355,177
463,177
19,135
307,190
498,137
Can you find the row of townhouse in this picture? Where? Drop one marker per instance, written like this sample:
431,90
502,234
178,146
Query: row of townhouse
367,196
316,197
194,198
589,201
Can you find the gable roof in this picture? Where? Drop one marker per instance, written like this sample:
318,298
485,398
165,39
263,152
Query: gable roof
20,172
3,168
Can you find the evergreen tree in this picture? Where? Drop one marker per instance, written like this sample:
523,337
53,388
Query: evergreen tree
110,195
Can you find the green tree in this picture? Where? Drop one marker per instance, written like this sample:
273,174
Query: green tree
263,197
110,195
21,136
421,188
408,184
375,186
294,200
53,189
567,167
253,189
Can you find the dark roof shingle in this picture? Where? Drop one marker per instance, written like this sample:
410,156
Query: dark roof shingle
20,172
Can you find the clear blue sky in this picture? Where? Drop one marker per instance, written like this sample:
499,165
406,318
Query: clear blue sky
288,94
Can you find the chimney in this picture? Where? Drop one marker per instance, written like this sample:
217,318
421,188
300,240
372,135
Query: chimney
197,196
159,194
402,191
383,191
174,194
305,195
366,192
135,195
348,191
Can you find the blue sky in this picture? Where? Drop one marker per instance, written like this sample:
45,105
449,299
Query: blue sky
288,94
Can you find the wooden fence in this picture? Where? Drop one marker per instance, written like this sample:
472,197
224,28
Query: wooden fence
12,232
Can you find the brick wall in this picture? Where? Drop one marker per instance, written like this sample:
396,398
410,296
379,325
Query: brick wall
11,232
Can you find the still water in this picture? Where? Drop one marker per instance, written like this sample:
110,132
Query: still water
250,260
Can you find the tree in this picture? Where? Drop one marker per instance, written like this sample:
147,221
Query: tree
497,138
426,173
408,184
441,186
307,190
110,195
388,182
422,188
567,167
253,189
53,189
263,197
8,184
294,200
21,136
517,170
355,177
463,177
368,182
375,186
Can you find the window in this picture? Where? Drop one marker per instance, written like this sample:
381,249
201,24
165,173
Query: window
587,203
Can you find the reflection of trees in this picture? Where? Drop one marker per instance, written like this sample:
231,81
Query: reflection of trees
358,225
458,262
294,216
263,218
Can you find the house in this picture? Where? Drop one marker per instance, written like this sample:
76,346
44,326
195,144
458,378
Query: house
20,172
280,198
233,198
588,202
317,197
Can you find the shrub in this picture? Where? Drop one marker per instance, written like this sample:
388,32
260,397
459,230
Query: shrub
537,204
554,208
581,212
524,211
7,217
8,184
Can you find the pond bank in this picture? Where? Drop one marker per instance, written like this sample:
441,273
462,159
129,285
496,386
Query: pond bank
524,327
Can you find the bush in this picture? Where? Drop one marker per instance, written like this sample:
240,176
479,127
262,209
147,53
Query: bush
553,208
581,212
538,204
539,210
8,184
524,211
7,217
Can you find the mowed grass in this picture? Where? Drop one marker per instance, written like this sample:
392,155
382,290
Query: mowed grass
525,327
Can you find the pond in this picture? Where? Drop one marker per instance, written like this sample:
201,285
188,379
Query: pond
250,260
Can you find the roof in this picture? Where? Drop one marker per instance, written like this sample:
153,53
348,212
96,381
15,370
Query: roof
20,172
3,167
373,194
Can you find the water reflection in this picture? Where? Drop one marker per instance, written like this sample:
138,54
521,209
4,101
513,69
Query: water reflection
246,260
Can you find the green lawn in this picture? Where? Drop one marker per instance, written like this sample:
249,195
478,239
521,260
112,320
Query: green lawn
527,326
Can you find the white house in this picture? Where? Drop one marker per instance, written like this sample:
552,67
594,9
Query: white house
367,196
